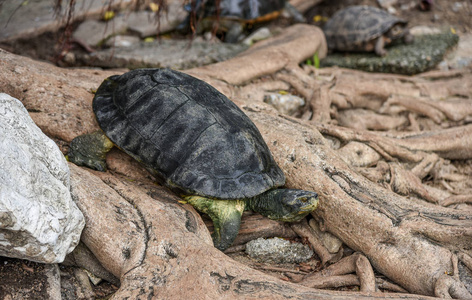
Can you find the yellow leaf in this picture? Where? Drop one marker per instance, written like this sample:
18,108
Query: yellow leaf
283,92
317,18
453,30
108,15
154,6
149,39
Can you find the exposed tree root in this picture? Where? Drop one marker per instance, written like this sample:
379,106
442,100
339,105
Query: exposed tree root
303,230
336,275
169,252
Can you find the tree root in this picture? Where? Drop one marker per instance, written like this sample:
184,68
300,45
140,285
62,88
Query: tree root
450,286
335,275
158,247
453,143
154,253
304,231
390,224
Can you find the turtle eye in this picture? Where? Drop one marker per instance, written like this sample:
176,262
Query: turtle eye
303,199
396,30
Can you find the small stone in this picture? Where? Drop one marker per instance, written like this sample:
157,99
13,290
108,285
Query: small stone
277,250
69,58
358,154
258,35
122,41
285,103
457,6
331,243
387,3
422,30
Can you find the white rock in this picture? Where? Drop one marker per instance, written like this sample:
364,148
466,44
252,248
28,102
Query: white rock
285,103
123,41
332,243
258,35
387,3
38,219
423,29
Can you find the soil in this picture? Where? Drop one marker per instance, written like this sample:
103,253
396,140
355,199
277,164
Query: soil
23,279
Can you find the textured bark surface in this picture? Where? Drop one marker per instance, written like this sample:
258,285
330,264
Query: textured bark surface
396,197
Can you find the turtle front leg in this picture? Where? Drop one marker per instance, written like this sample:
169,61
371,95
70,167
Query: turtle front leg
90,150
226,217
380,46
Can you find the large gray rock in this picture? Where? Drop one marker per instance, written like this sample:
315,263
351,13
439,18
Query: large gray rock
145,23
27,19
162,53
38,219
94,32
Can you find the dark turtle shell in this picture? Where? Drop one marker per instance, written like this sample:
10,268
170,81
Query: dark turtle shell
186,133
352,28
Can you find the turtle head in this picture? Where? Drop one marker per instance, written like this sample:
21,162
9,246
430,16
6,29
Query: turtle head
287,205
400,31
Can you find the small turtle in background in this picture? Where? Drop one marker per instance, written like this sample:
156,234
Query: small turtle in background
195,141
364,29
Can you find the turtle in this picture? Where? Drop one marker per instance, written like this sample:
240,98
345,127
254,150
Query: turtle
196,142
232,16
365,29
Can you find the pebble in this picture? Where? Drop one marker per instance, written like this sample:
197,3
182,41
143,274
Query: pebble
331,242
277,250
285,103
258,35
122,41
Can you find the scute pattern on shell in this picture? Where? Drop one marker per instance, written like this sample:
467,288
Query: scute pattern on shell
352,28
186,133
